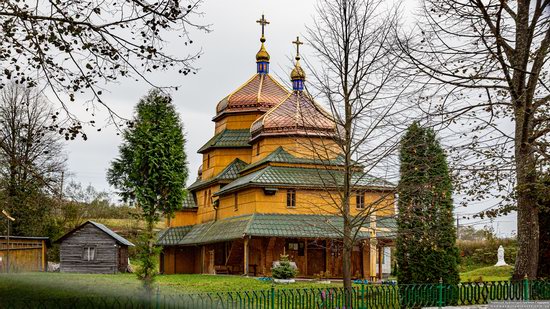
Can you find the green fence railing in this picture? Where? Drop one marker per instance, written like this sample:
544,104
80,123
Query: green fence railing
360,296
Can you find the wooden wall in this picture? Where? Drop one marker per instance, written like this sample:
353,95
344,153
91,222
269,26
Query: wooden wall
24,255
72,249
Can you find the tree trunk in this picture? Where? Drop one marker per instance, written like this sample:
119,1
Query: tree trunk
346,262
527,210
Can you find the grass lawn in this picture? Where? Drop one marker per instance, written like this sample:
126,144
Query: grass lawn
490,273
60,285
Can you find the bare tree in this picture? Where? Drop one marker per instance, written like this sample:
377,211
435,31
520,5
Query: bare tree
359,82
483,65
77,46
31,152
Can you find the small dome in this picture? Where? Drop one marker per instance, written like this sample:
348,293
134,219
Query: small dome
297,73
260,93
297,115
262,55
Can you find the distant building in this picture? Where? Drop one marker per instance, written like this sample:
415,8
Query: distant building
25,253
93,248
264,189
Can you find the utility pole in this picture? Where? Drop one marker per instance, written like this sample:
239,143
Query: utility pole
9,218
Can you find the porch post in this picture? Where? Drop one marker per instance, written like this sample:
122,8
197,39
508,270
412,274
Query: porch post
372,258
246,256
203,256
365,260
380,253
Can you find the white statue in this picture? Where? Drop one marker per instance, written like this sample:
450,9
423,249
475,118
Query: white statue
500,256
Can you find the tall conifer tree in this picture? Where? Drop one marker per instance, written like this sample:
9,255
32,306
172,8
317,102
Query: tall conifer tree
151,171
426,242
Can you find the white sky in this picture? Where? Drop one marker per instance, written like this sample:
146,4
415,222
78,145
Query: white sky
228,60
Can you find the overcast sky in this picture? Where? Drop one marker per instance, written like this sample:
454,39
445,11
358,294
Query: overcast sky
228,60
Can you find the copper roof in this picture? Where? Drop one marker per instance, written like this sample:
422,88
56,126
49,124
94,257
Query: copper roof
259,93
298,114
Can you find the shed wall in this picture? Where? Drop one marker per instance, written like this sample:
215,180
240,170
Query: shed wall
72,249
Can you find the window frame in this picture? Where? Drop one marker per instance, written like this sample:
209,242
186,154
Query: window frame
86,249
291,198
360,200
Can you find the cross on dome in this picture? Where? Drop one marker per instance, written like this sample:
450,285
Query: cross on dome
262,57
298,43
297,76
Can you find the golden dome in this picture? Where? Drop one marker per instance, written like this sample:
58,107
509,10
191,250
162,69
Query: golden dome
297,72
262,55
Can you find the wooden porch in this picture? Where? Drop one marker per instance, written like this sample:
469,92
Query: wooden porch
254,256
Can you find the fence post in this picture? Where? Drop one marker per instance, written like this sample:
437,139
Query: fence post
272,296
363,295
157,300
440,293
526,288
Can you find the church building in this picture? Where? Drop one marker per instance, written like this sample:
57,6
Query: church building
270,184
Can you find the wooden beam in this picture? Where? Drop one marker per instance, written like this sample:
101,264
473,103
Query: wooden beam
43,255
246,256
372,259
203,256
380,252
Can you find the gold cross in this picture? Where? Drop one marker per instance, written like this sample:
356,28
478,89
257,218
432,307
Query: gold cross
262,21
298,43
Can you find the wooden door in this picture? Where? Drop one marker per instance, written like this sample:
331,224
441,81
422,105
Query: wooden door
316,257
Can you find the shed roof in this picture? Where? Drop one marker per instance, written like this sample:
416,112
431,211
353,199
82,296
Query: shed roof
119,239
258,225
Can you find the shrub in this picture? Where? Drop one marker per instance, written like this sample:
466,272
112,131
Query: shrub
284,270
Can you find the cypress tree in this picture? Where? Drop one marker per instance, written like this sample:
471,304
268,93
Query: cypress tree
151,172
426,241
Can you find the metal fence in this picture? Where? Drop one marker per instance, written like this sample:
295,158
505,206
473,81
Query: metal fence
360,296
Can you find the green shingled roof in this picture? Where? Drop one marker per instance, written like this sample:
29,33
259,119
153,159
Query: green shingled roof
282,156
172,235
258,225
228,139
272,176
189,202
229,173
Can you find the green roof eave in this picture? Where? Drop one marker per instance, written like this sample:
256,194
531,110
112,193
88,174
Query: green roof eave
228,174
260,225
228,139
282,176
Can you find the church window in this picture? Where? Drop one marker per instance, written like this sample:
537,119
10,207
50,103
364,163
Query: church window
208,161
360,200
291,198
258,149
236,201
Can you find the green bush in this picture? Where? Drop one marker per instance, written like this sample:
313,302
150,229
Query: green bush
484,252
284,270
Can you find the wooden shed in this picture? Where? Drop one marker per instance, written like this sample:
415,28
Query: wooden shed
23,253
93,248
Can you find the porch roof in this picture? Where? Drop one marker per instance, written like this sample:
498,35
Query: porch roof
259,225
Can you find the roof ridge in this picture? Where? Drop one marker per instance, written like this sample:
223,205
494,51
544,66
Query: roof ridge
240,87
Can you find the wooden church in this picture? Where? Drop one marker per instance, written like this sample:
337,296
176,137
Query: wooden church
264,189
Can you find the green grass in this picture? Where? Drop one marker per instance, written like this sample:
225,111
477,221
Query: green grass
61,285
490,273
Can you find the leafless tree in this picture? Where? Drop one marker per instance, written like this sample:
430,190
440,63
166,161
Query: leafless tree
77,46
359,82
31,151
482,68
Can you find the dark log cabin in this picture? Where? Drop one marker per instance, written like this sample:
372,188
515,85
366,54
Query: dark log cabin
93,248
